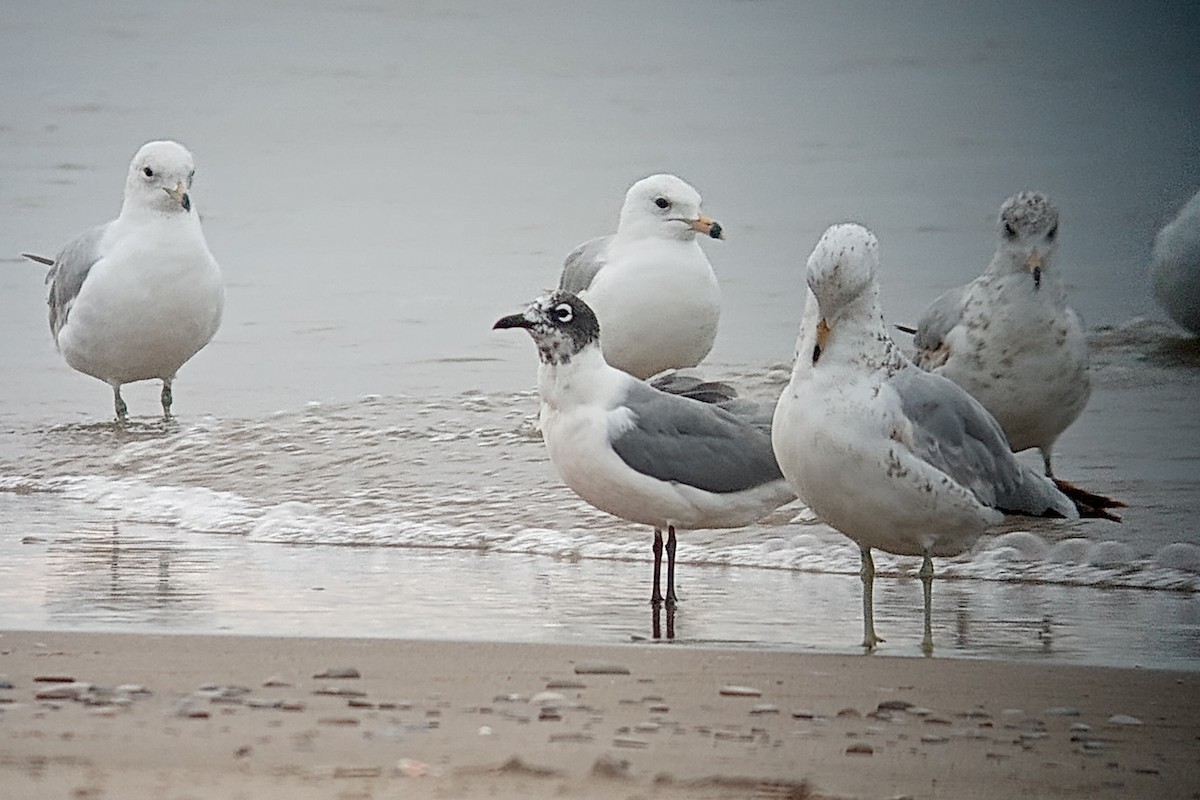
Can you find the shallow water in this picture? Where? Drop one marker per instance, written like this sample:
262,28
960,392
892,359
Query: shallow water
355,454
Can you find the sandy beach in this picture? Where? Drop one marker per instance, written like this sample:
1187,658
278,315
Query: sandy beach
132,716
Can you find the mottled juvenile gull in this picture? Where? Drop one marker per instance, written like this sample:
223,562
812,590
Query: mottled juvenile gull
1175,266
135,298
638,453
895,458
650,284
1009,338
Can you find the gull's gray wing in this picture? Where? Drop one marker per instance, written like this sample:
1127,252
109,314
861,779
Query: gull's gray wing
942,315
582,264
70,270
677,439
955,434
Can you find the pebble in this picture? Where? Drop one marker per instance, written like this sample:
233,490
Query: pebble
54,679
764,708
931,739
1062,711
565,683
336,673
600,668
1081,727
64,691
275,682
1124,719
860,749
647,727
894,705
485,730
337,691
659,709
571,738
803,713
6,684
740,691
849,712
339,721
629,742
547,698
549,714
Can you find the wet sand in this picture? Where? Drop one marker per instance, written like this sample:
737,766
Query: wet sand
130,716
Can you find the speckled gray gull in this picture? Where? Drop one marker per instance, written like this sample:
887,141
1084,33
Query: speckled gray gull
135,298
650,284
1009,338
1175,266
641,454
896,458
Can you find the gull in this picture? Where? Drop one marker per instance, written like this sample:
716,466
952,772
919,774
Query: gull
893,457
650,284
638,453
1175,266
1009,338
135,298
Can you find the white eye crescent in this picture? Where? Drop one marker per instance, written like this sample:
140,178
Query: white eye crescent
563,312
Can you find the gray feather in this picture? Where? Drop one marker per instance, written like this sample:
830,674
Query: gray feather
582,264
686,441
941,316
955,434
70,270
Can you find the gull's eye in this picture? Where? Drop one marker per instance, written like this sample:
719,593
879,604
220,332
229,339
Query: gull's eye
1053,232
564,313
1009,231
149,173
662,202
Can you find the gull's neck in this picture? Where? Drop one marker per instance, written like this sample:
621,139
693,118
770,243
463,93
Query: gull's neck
584,379
860,334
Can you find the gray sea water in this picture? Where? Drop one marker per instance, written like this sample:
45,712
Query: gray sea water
354,454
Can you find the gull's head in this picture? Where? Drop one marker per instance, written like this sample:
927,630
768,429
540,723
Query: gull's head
666,207
1028,234
160,178
840,270
842,266
560,323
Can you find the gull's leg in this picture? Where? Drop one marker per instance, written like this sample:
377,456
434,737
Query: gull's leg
167,398
671,565
867,573
1046,453
656,595
926,575
119,404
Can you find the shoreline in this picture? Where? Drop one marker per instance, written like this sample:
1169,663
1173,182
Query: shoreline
179,715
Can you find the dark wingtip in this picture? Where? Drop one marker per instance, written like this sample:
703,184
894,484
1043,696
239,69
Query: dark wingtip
906,329
49,262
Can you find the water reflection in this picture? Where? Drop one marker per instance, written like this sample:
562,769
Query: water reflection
116,574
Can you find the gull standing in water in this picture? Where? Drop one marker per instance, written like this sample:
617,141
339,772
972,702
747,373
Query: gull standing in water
639,453
650,284
135,298
1009,338
895,458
